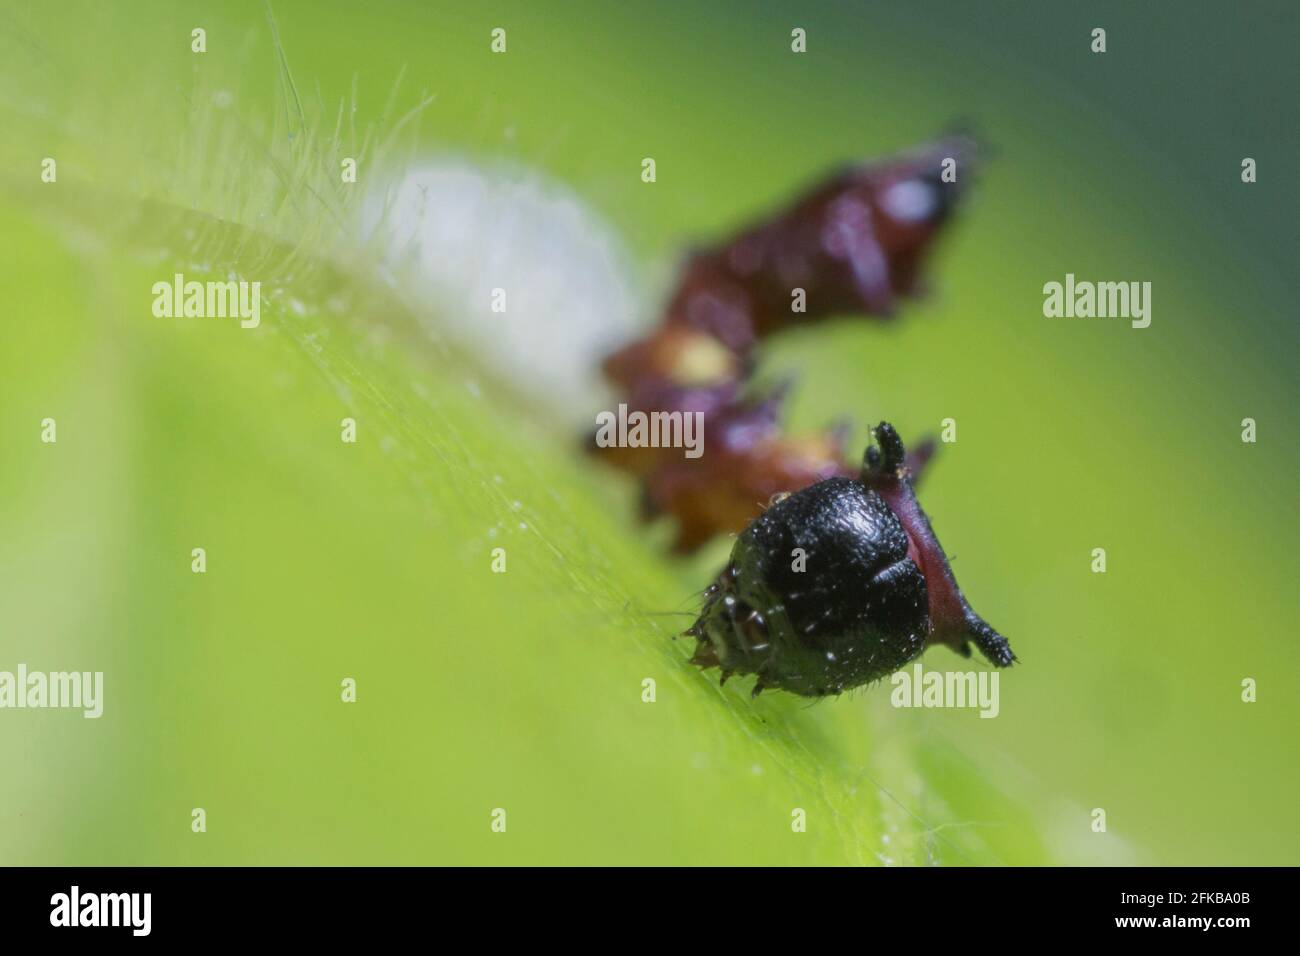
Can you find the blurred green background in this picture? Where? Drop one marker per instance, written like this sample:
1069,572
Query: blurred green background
523,690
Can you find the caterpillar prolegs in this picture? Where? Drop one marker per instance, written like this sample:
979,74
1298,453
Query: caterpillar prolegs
875,587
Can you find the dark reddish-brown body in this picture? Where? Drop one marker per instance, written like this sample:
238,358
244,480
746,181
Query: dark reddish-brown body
854,244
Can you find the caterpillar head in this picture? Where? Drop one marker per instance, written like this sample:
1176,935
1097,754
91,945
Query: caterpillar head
838,585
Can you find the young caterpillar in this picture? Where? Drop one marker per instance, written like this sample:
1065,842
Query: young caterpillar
875,588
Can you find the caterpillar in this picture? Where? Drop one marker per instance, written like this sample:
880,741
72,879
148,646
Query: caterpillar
876,588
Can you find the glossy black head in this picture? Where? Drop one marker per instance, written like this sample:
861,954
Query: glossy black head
820,595
838,585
